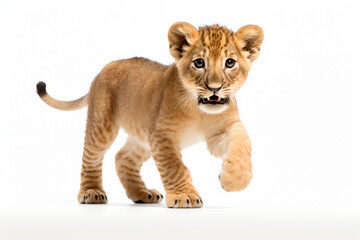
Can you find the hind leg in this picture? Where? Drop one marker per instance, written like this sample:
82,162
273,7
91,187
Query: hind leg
97,141
101,131
128,163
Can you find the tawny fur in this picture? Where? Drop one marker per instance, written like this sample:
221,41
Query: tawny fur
158,107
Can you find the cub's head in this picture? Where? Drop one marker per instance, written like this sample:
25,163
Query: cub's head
213,62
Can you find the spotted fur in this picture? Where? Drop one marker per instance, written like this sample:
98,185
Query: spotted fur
165,109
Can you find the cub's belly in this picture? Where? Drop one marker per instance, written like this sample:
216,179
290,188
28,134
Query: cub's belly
186,137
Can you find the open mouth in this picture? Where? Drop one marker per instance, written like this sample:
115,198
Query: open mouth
213,100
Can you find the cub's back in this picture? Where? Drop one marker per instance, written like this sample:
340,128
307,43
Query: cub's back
138,70
136,85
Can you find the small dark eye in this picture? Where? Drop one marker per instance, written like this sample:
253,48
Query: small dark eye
230,63
199,63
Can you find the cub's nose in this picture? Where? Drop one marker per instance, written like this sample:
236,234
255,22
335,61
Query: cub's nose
214,88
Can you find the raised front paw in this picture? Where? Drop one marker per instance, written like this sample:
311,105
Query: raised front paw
183,200
92,196
235,180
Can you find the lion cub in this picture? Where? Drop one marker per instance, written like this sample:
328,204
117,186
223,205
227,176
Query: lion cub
165,109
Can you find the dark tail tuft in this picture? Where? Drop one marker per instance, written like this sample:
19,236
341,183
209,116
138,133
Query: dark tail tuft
41,88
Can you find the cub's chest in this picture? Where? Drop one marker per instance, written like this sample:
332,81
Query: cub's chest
191,135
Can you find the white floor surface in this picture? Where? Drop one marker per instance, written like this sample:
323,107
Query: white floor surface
147,221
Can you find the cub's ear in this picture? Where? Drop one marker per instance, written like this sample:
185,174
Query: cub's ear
249,39
181,35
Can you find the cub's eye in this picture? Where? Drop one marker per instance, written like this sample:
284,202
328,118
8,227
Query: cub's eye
199,63
229,63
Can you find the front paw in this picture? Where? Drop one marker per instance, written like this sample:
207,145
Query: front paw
235,181
183,200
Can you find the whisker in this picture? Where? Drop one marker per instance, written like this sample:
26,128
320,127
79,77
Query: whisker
233,99
184,96
185,99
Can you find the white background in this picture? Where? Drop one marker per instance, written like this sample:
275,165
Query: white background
300,105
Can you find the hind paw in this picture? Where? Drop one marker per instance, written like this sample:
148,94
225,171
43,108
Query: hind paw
92,196
146,196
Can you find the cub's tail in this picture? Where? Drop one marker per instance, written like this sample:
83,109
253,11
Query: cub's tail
61,105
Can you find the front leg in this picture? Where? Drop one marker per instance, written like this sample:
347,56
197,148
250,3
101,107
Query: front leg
180,193
234,147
